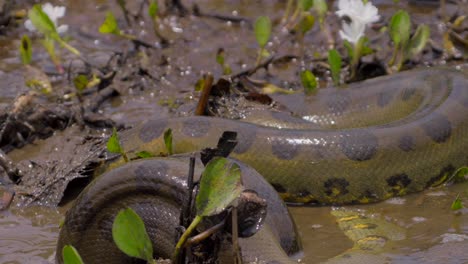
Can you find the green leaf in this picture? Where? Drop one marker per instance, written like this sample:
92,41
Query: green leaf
200,84
309,82
460,175
113,144
129,234
349,48
400,26
26,50
80,82
262,30
144,154
321,7
153,9
307,23
110,25
42,22
70,255
457,204
334,59
419,40
220,185
168,141
305,5
220,56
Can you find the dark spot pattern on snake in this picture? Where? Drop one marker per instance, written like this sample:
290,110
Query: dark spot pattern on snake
398,182
440,178
384,98
245,139
152,129
439,128
407,93
406,143
194,127
358,145
335,187
284,150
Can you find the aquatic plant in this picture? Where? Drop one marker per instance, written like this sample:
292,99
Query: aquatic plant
406,47
44,19
262,29
356,16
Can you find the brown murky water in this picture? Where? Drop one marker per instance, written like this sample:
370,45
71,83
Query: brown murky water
434,234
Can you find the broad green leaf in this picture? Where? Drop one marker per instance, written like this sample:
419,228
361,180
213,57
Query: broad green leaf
70,255
309,82
419,40
307,23
220,185
262,30
400,26
110,25
145,154
113,144
80,82
153,9
334,59
305,5
26,50
42,22
457,204
130,236
168,141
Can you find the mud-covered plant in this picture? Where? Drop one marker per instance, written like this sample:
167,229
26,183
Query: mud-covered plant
356,15
220,186
153,9
26,50
309,82
406,47
110,26
262,30
220,59
113,145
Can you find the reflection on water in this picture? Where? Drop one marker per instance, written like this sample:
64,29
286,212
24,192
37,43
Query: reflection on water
28,235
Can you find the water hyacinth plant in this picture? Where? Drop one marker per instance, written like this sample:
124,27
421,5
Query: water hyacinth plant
44,19
356,16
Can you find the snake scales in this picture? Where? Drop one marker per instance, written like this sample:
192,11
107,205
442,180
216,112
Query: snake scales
367,142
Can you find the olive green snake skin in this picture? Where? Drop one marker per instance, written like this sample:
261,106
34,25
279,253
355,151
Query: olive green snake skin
381,155
364,143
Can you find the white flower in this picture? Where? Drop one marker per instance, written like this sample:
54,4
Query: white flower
54,13
358,16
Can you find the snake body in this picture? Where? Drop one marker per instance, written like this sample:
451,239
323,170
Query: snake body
381,138
363,143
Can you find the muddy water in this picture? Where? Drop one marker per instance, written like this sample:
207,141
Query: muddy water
434,234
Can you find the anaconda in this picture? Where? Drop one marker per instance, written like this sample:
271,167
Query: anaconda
381,138
157,190
347,157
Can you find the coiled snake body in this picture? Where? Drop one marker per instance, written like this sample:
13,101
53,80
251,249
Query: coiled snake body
367,142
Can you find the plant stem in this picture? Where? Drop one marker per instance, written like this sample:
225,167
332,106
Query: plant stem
68,47
259,56
184,237
286,12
